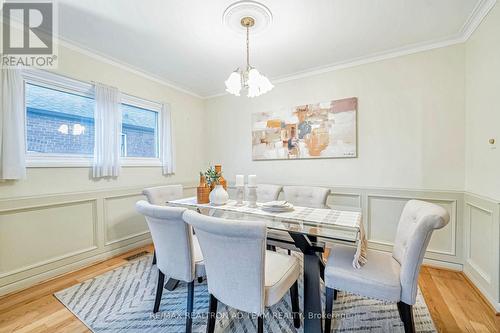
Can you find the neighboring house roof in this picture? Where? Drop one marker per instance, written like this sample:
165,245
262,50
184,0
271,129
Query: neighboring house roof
66,103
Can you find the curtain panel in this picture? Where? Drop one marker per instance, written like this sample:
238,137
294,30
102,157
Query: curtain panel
167,141
108,127
12,120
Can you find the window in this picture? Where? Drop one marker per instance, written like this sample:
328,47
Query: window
139,132
58,122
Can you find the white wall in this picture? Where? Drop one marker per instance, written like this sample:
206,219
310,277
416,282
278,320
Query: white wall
410,125
483,107
482,176
59,219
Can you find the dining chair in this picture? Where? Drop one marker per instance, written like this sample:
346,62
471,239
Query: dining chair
391,277
240,272
177,249
307,196
159,195
268,192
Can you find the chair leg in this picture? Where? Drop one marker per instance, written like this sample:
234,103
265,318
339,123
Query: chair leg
294,295
212,314
189,312
330,296
406,314
159,291
154,259
260,324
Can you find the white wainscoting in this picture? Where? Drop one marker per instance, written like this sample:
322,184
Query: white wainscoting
382,208
482,245
41,237
45,236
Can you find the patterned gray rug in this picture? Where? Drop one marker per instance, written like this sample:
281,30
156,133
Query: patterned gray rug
122,301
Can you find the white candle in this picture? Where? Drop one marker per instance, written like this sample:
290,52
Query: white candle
240,180
252,180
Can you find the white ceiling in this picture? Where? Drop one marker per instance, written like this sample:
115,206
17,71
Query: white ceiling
185,43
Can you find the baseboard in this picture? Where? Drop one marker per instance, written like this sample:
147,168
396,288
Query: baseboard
450,266
66,269
491,304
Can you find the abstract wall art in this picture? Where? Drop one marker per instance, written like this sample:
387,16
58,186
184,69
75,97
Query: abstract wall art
320,130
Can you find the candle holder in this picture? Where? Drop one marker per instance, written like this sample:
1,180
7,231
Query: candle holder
252,196
240,195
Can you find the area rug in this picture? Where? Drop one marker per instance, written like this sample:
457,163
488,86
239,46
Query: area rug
122,301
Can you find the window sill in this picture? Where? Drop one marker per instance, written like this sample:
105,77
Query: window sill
84,162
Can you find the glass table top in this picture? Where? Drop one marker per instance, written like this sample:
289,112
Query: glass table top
304,221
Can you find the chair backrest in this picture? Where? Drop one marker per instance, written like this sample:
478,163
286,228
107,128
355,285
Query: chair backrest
159,195
268,192
234,256
172,238
307,196
418,220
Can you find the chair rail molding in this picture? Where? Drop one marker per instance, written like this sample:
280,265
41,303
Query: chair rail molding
67,231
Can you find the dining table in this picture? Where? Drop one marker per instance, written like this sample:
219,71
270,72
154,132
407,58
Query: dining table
305,229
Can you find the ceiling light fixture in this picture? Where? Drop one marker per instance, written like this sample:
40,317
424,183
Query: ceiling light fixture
250,78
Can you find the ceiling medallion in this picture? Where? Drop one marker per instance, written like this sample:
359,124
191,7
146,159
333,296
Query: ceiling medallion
255,16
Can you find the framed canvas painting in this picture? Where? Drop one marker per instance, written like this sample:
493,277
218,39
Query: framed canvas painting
320,130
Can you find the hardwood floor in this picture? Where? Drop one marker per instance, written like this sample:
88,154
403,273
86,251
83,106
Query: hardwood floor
454,304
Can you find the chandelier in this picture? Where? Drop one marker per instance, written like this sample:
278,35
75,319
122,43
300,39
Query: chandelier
249,78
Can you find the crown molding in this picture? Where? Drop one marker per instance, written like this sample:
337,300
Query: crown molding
478,14
124,66
480,11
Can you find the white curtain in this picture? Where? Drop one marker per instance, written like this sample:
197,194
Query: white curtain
12,115
167,141
108,127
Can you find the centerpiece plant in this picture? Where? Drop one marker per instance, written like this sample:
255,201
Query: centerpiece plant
218,195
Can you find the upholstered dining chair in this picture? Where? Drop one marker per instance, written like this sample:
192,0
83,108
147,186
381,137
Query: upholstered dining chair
159,195
268,192
177,250
240,272
388,277
307,196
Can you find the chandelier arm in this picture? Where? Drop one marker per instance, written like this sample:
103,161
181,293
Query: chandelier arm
248,47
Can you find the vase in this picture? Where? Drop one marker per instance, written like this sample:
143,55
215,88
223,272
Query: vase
222,181
218,196
202,191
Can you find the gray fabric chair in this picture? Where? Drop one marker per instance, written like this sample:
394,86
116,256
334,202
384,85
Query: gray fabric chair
268,192
307,196
388,277
177,250
159,195
240,272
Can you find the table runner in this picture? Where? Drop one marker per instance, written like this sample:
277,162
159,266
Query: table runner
306,214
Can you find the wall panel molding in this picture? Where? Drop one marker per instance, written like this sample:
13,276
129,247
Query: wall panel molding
99,246
27,208
403,199
482,245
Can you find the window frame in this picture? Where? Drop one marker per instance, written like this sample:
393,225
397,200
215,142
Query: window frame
65,84
150,106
